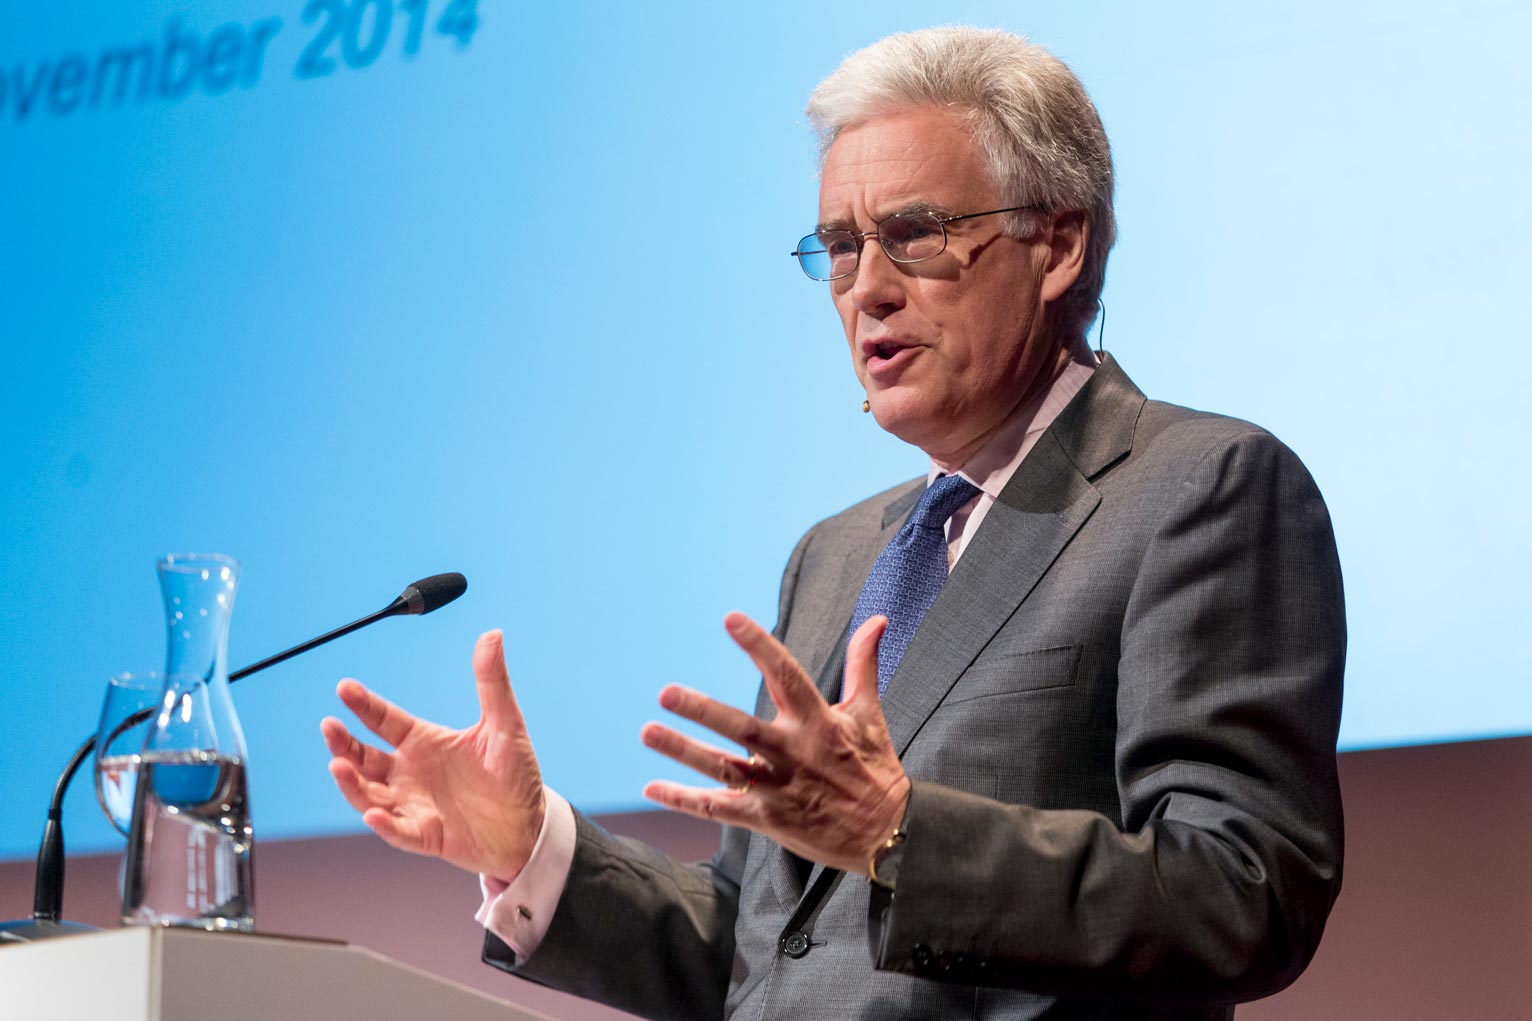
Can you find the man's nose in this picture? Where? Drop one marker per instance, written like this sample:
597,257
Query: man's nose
878,287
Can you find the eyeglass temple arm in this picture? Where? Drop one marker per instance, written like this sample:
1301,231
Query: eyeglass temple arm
988,212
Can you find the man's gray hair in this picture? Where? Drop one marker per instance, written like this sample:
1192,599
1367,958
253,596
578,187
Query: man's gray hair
1030,114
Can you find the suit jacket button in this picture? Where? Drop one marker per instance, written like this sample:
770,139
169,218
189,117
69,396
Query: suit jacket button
795,944
921,955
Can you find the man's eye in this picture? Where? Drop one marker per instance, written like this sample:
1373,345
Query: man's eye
839,245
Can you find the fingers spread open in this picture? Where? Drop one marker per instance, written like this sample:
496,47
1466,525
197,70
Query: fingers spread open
336,737
396,831
727,768
372,763
360,793
732,807
740,727
789,684
496,699
378,714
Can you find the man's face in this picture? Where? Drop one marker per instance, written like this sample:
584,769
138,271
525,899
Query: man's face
949,347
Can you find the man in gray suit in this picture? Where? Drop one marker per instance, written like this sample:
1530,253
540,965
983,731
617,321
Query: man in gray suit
1076,759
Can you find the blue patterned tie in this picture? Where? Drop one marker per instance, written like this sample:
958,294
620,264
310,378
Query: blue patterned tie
910,572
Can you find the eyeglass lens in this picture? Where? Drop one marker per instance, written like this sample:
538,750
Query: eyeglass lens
906,237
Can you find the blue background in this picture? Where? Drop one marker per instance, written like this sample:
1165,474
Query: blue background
501,308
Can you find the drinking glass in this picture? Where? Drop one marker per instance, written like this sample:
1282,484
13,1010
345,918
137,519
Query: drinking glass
130,702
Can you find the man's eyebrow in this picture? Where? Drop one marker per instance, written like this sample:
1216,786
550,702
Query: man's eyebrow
933,208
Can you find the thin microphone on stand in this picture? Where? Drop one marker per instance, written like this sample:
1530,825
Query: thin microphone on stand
422,597
425,595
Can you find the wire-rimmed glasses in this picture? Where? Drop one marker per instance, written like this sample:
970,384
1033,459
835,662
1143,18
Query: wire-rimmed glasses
913,235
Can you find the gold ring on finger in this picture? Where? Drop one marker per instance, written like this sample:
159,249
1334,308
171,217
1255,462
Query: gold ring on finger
752,764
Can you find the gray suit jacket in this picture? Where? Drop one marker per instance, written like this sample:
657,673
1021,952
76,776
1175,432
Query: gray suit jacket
1120,720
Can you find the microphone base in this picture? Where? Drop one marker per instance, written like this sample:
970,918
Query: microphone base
31,930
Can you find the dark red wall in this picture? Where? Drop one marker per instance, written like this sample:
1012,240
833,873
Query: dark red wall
1435,920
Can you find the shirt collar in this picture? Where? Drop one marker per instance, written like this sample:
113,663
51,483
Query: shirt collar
992,466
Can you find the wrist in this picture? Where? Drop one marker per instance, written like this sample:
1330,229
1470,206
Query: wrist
528,832
890,836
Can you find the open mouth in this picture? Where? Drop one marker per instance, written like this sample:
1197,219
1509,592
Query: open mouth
886,359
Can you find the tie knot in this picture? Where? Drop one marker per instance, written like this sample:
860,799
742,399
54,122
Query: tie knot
941,500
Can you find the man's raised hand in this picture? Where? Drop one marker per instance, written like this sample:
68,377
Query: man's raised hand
472,797
821,780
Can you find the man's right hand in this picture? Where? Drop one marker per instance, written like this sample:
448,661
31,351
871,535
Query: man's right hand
472,797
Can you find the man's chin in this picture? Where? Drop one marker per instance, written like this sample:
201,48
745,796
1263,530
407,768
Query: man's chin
908,419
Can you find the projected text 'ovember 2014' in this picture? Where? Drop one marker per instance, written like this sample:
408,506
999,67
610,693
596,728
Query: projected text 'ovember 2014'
337,34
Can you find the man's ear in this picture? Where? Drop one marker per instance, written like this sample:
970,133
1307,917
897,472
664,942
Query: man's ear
1066,237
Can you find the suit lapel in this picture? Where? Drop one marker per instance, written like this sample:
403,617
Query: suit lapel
1045,503
1040,510
827,659
826,650
1017,542
822,651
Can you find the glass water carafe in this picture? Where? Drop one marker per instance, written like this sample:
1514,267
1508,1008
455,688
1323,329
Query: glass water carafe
189,841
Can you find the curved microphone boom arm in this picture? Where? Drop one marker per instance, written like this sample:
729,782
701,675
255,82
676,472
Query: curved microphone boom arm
422,597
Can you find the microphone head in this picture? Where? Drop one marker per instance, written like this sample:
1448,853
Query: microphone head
432,593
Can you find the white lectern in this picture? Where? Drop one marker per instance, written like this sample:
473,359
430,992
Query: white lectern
157,974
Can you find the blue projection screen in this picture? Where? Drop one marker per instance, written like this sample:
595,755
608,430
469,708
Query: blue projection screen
362,290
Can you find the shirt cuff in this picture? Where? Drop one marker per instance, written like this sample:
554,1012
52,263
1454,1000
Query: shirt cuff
519,910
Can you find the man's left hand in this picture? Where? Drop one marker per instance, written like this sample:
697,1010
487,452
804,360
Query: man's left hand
822,780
